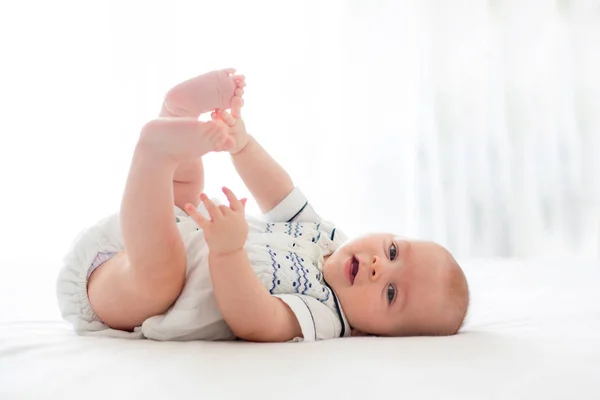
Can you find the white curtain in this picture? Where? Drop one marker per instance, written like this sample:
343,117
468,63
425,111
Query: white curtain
473,123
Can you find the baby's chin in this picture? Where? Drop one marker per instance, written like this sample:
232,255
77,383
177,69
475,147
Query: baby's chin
329,270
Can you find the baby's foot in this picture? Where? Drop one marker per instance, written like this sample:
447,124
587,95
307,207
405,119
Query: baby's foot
234,121
183,139
202,93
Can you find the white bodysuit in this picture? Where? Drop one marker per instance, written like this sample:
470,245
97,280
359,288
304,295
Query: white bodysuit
286,250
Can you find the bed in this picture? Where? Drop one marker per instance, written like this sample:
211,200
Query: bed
533,332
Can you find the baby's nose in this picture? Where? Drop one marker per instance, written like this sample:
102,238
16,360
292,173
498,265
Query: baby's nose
375,269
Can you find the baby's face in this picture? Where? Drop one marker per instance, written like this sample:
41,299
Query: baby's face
390,286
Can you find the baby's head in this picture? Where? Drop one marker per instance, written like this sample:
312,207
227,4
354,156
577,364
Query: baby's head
389,286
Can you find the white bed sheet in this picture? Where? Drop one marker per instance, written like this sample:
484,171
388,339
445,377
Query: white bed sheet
533,333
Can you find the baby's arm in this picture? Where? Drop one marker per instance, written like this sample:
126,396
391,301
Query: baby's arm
247,307
268,182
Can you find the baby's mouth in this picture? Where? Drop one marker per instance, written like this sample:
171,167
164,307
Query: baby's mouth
353,269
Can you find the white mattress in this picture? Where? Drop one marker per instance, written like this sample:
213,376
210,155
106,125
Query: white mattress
533,333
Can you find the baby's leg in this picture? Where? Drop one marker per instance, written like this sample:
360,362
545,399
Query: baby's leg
149,275
192,98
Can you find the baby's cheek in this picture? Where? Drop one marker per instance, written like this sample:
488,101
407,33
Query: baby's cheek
363,307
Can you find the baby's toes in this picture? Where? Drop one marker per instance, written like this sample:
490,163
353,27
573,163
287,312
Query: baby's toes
226,117
240,81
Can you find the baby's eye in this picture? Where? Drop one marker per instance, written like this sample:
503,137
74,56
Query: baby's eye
393,251
391,293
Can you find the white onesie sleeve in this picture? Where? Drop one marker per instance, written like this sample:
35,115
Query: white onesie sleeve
317,321
294,208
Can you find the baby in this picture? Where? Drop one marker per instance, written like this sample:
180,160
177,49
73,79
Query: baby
176,265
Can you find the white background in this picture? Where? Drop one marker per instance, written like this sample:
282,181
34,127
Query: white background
472,123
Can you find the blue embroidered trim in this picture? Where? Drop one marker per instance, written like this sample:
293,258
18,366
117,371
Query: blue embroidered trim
298,213
296,284
304,270
326,290
269,225
273,254
333,233
316,239
297,230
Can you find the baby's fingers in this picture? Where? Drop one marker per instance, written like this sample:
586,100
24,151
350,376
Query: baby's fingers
212,209
240,80
196,216
234,202
226,117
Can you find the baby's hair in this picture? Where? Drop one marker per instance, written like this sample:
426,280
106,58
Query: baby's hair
455,306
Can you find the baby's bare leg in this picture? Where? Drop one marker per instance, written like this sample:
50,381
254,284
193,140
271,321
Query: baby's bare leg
149,275
190,99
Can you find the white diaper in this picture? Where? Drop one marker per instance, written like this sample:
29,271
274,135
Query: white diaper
97,244
103,237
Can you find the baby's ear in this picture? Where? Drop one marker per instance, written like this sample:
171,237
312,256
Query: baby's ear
356,332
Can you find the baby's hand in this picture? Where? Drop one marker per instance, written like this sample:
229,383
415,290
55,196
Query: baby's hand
233,120
227,230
